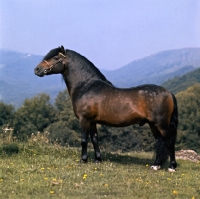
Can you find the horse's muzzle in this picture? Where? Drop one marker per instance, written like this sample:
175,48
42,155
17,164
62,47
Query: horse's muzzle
39,72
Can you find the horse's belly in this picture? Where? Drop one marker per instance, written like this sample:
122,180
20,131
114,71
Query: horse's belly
120,119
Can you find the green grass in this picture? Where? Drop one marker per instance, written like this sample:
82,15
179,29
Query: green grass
50,171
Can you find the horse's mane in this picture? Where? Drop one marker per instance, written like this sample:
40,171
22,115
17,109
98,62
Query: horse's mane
51,53
87,66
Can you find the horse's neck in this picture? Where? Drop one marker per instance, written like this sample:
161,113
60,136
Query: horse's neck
75,77
80,72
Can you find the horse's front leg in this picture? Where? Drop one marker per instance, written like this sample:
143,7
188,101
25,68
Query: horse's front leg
85,129
95,142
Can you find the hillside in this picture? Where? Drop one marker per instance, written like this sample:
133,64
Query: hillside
17,80
178,84
156,68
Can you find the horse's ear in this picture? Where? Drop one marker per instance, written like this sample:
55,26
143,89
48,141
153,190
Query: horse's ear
62,49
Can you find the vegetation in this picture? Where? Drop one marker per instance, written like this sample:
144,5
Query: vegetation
35,115
189,112
38,169
178,84
6,114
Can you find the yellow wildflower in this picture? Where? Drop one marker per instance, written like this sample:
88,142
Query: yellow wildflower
175,192
84,176
106,185
51,192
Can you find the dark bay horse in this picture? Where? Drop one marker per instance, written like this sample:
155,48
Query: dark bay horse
96,100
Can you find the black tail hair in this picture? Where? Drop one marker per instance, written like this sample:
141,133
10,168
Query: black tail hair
161,148
174,118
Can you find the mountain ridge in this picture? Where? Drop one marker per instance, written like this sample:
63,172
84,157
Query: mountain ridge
156,68
178,84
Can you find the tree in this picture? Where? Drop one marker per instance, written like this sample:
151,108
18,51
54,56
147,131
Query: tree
65,111
66,130
189,118
6,114
34,115
128,138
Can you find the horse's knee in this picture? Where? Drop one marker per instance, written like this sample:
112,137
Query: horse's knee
94,140
84,142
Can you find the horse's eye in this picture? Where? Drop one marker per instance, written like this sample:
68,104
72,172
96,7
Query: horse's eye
56,58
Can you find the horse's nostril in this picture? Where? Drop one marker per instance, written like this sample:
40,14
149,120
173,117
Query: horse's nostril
37,70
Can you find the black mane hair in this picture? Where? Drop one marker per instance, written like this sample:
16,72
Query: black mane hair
86,65
52,53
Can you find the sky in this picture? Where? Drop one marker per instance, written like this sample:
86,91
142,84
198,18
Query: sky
110,33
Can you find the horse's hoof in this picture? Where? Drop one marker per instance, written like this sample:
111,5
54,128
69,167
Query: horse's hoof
97,161
155,167
171,170
83,161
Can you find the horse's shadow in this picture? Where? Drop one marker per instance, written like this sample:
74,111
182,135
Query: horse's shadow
128,159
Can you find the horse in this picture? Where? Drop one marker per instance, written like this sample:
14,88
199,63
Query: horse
96,100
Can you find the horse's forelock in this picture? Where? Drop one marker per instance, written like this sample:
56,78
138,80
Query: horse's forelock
52,53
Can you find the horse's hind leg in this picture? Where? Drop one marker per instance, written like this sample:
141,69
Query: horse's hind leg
161,149
95,142
170,139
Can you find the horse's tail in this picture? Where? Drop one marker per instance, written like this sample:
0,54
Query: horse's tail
174,117
161,147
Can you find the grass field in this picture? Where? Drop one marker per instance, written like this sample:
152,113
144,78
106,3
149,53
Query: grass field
35,170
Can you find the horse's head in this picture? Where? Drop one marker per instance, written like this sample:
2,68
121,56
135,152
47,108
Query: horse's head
52,63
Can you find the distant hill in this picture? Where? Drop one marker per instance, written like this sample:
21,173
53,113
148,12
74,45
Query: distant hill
17,80
178,84
156,68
